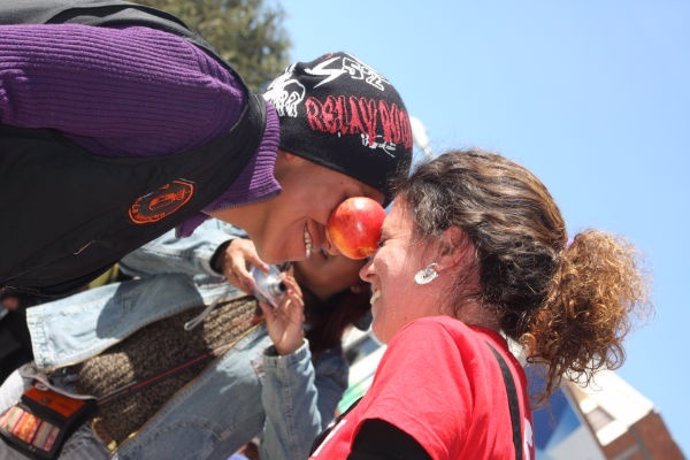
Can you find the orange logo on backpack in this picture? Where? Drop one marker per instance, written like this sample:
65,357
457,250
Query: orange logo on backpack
158,205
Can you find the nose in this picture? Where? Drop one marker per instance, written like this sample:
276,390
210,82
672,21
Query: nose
365,272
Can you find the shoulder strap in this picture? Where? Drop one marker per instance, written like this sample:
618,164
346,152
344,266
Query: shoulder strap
324,434
513,403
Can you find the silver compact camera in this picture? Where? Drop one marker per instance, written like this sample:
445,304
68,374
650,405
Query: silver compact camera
268,287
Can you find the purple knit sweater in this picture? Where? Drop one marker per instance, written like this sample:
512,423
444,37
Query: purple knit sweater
133,91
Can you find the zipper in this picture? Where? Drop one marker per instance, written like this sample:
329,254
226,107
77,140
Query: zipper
222,297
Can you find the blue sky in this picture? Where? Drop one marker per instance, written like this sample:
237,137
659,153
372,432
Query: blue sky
593,96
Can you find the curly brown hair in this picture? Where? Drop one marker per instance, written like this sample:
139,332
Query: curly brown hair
569,304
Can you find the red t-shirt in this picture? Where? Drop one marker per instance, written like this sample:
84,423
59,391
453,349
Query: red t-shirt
440,383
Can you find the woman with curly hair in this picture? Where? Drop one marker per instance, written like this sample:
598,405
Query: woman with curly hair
475,252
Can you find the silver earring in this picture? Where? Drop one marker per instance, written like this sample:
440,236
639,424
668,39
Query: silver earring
426,275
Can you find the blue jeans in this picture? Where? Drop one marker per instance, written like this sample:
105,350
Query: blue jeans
248,392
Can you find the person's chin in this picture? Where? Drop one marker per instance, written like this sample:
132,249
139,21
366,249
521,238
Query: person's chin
296,253
280,256
269,255
378,336
273,259
296,257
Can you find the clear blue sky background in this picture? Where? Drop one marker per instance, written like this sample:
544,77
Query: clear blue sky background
593,96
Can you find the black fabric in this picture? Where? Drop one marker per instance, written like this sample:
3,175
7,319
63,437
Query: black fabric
379,440
218,257
15,342
324,434
340,113
69,225
15,339
72,224
513,402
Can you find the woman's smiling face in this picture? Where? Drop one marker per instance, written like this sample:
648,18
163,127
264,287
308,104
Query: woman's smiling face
396,299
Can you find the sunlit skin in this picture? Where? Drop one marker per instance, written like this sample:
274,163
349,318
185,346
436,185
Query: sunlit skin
278,225
397,299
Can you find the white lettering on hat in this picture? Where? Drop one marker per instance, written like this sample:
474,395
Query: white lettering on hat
285,93
321,70
360,71
347,65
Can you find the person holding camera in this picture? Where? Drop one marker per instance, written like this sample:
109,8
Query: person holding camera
211,374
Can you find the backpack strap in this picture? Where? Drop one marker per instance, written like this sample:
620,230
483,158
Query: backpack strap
513,403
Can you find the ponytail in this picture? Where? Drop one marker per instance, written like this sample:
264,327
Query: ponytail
587,310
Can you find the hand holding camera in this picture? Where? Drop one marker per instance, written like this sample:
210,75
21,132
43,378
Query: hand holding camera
279,295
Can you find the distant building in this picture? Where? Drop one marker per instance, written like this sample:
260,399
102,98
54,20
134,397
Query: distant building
626,424
560,430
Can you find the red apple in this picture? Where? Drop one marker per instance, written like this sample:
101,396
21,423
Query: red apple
354,226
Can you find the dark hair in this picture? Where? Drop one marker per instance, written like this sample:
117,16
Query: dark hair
568,304
328,320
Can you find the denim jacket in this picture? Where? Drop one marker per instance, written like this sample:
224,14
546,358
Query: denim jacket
247,392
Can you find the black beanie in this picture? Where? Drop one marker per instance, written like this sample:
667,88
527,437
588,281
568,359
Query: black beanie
340,113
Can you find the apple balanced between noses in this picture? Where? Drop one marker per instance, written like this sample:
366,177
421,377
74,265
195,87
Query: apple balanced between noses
354,226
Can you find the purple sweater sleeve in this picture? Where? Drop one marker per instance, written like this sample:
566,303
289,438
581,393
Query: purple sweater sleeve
133,91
